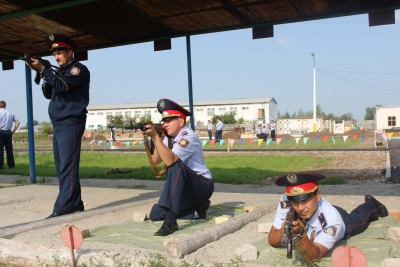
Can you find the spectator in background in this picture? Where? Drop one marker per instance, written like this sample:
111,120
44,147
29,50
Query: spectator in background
265,129
209,128
272,127
219,127
112,130
6,121
260,133
264,125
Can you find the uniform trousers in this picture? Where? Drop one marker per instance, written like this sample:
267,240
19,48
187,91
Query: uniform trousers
273,134
67,138
6,141
210,134
218,134
358,220
184,189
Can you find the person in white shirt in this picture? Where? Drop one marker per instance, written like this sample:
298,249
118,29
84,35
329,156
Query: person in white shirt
325,224
272,127
189,183
7,118
219,127
209,129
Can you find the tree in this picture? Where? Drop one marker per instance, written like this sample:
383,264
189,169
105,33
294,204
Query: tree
47,128
285,116
35,122
118,120
346,117
370,112
226,118
240,120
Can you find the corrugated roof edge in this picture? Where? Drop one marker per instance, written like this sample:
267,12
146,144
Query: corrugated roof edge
186,103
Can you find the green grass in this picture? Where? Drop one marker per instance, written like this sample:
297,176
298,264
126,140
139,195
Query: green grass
225,168
333,180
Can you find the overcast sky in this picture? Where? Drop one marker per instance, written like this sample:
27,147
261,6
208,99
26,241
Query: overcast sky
357,67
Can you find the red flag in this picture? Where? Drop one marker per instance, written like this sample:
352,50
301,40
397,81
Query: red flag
212,142
355,137
250,141
326,138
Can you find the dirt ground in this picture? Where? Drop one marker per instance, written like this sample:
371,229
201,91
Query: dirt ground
22,206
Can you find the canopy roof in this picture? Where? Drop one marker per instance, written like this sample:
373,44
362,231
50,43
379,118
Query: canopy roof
95,24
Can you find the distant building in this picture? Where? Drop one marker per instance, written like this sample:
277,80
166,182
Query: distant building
250,109
387,117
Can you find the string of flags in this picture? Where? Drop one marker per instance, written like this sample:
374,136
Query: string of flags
212,142
115,143
278,140
386,136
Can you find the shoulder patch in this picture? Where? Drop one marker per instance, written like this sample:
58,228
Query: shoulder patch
184,133
75,71
322,220
331,230
183,142
286,204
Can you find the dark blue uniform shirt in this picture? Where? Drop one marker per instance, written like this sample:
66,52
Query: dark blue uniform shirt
68,91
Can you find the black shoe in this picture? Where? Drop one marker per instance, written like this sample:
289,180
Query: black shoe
78,209
54,214
381,209
202,209
167,228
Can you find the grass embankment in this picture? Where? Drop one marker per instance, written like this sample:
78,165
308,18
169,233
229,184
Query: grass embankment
230,169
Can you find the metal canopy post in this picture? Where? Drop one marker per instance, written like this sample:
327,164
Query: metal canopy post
31,136
189,63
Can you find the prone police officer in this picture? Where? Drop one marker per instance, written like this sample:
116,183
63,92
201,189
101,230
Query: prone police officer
189,183
67,88
325,224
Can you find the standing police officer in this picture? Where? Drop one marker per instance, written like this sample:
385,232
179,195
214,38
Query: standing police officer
67,88
209,129
189,185
325,224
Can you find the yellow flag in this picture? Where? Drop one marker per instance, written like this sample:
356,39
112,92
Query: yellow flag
260,141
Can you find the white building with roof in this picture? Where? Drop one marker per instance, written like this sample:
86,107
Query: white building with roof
250,109
387,117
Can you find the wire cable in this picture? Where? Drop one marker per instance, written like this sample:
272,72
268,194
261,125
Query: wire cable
359,82
365,72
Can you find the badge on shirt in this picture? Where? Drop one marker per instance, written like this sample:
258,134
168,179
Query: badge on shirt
322,220
183,142
75,71
331,230
286,204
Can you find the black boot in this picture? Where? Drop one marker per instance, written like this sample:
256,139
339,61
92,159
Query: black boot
202,209
381,209
167,228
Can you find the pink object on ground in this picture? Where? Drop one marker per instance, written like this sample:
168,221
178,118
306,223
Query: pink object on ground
346,256
71,235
